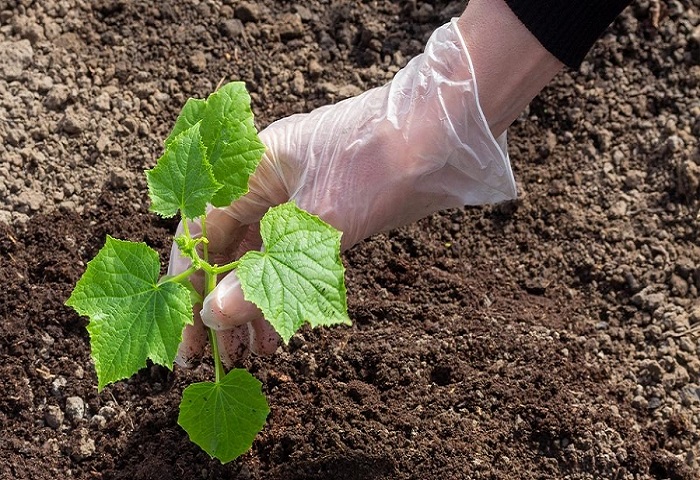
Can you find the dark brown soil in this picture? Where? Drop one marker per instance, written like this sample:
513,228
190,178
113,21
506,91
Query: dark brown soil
551,337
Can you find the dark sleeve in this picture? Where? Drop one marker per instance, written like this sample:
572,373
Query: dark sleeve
567,28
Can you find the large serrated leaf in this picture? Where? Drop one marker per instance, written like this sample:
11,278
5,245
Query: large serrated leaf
223,418
229,135
299,277
132,317
183,178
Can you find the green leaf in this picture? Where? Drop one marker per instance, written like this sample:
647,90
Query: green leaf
132,317
299,276
183,178
223,418
229,135
191,113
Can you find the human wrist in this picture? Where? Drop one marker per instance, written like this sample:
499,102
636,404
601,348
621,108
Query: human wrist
510,65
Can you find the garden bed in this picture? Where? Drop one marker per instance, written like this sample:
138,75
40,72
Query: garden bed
555,336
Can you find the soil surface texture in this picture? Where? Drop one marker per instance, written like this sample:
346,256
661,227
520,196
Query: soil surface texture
552,337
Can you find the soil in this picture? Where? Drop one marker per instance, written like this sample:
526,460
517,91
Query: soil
553,337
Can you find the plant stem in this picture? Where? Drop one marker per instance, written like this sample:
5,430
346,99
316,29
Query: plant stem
186,228
209,285
219,269
179,277
220,373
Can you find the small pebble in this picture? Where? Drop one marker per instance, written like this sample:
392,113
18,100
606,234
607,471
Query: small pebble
75,408
53,416
107,412
98,421
57,385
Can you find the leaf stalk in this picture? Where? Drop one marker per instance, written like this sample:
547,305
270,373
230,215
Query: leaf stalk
209,285
180,277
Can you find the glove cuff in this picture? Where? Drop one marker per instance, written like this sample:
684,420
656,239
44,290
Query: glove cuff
462,162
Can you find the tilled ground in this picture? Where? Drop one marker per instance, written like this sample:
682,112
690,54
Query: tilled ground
551,337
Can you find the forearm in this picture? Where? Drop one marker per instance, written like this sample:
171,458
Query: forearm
511,66
518,46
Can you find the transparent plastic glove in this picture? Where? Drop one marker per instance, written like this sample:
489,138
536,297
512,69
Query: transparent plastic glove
368,164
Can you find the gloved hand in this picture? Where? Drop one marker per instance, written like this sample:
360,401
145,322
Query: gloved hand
371,163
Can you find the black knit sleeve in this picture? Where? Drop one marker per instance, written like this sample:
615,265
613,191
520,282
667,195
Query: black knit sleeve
567,28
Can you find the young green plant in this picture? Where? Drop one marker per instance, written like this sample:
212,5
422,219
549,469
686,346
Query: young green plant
136,315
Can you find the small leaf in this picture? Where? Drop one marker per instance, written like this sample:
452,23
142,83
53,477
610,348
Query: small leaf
232,139
191,113
224,418
188,249
187,245
132,317
183,178
299,276
229,135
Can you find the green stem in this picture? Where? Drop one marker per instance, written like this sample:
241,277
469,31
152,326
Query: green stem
219,269
179,277
209,285
218,365
186,228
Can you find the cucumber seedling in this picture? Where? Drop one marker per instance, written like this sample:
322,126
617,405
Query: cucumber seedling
136,315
